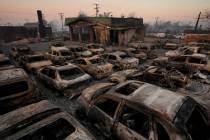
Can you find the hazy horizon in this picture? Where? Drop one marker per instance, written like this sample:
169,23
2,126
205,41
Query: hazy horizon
20,11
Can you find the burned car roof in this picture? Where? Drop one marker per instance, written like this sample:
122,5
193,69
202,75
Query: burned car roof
62,67
118,53
33,121
60,48
165,102
12,74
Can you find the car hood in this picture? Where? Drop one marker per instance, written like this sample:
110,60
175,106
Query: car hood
103,66
39,64
130,60
86,53
67,83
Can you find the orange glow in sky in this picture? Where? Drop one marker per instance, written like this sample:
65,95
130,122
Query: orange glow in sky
20,11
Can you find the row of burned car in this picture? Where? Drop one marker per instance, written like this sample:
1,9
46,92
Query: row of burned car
24,115
121,108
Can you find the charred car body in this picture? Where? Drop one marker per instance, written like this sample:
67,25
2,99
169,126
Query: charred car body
95,66
41,120
19,51
32,63
171,78
5,63
138,110
59,55
95,48
122,76
80,51
16,89
64,77
121,60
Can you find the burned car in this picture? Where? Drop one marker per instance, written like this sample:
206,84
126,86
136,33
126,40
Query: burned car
34,62
95,48
171,46
56,44
135,53
16,89
19,51
171,78
195,61
95,66
39,121
80,51
121,60
121,76
183,51
5,63
136,110
64,77
59,55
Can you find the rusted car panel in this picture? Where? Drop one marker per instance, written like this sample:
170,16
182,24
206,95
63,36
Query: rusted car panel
95,66
171,46
132,116
64,77
95,48
121,60
5,63
162,61
135,53
196,61
16,89
59,55
41,120
183,51
122,76
171,78
34,62
80,51
19,51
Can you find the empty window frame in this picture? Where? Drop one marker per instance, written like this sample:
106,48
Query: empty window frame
161,132
128,88
108,106
57,130
136,121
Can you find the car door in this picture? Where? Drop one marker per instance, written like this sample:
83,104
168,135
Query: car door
195,62
132,124
103,112
160,132
51,77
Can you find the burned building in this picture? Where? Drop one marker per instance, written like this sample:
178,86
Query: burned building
105,30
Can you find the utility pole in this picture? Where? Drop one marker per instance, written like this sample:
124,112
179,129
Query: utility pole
96,8
196,25
156,23
61,16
